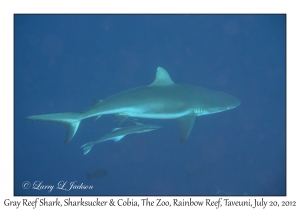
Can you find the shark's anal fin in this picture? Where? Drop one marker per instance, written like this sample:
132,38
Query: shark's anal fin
186,124
121,118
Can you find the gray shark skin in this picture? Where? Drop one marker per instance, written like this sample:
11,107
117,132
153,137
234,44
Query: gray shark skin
118,133
163,99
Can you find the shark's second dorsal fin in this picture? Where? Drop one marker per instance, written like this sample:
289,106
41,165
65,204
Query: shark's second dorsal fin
162,78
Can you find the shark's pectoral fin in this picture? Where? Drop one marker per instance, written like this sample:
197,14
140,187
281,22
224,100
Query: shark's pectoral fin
186,124
121,118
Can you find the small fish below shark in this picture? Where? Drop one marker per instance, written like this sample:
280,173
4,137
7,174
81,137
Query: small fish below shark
162,99
118,133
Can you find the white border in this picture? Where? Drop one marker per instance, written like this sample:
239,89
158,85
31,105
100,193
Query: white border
8,8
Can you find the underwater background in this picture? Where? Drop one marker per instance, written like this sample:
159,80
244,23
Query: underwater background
63,62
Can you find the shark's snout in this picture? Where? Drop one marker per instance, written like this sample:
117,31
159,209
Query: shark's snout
230,102
236,102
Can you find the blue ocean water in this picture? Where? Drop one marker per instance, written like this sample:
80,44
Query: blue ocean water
63,62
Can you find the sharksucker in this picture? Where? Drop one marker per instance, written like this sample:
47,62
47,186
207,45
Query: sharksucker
118,133
162,99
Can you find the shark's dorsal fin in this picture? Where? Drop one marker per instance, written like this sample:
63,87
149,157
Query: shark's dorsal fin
162,78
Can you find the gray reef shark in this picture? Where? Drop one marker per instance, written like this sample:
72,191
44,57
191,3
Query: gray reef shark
118,133
162,99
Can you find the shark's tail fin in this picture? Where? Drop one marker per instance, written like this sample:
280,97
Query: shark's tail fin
87,147
71,120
